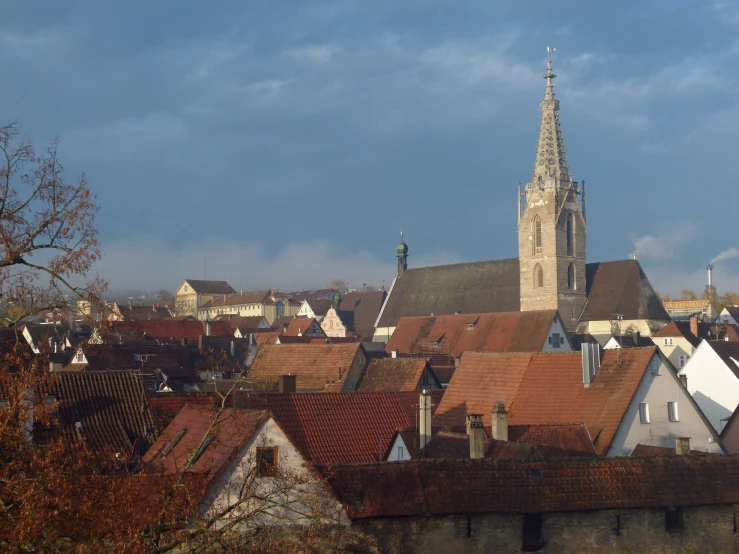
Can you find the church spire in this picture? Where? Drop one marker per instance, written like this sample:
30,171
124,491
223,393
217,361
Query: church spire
551,159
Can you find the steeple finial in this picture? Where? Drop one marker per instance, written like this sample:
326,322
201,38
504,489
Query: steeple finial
551,160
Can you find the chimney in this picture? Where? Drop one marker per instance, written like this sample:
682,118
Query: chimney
590,361
694,325
55,366
477,437
684,380
233,349
682,446
709,267
499,422
424,419
207,328
287,384
284,327
393,353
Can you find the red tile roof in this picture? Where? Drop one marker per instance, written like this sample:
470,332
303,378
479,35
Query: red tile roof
361,309
398,374
105,409
490,332
555,440
165,406
299,325
171,329
315,365
546,388
338,428
230,429
447,444
435,487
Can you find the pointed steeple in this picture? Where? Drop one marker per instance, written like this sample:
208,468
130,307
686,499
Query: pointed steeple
551,159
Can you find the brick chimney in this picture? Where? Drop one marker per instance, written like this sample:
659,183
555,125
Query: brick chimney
499,423
682,446
424,419
694,325
287,383
477,437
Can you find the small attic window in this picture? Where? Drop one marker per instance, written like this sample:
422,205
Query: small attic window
206,442
170,446
470,326
267,461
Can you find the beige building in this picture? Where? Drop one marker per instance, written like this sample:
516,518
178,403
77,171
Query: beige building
266,303
193,293
332,324
687,308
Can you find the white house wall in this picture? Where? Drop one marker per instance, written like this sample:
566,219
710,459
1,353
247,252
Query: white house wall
714,386
399,451
226,487
559,329
657,391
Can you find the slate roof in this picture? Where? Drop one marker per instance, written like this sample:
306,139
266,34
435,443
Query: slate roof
434,487
210,287
398,374
491,332
364,308
546,388
618,287
338,428
111,408
231,429
474,287
314,365
728,352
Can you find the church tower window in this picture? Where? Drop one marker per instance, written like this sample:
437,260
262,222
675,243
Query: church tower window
537,234
571,284
570,235
538,276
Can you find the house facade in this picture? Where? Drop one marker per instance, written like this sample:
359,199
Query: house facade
193,293
332,324
268,304
677,342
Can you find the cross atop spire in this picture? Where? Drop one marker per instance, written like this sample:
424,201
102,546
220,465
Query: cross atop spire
551,158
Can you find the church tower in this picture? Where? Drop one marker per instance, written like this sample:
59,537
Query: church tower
551,228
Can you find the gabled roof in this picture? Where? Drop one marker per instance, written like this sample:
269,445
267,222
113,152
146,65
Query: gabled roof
320,294
105,409
631,341
299,325
555,440
434,487
229,431
364,307
728,352
475,287
169,329
154,311
447,444
314,365
244,298
620,287
545,388
210,287
678,329
491,332
398,374
338,428
319,307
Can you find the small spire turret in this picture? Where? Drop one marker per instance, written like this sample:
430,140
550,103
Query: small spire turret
402,251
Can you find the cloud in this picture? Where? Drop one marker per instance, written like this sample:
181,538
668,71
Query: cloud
726,255
149,264
319,54
272,86
664,245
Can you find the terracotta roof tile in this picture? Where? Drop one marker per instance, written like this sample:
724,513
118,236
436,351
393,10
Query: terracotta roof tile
546,388
171,329
398,374
555,440
338,428
490,332
231,429
447,444
315,365
359,310
300,325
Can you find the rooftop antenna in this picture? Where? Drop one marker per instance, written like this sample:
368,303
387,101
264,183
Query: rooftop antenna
205,269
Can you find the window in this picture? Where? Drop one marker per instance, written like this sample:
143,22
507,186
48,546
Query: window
401,453
532,533
570,227
668,342
537,235
684,359
673,519
170,446
538,277
267,462
554,340
571,277
643,412
672,411
359,358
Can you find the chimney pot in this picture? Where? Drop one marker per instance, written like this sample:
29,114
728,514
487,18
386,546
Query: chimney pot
499,429
394,353
682,446
477,437
288,384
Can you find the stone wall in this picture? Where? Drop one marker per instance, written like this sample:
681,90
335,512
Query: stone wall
709,529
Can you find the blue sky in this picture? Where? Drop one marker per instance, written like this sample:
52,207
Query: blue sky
288,142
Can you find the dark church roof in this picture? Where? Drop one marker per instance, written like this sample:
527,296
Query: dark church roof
619,287
475,287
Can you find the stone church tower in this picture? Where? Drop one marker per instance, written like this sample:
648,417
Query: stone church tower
551,228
